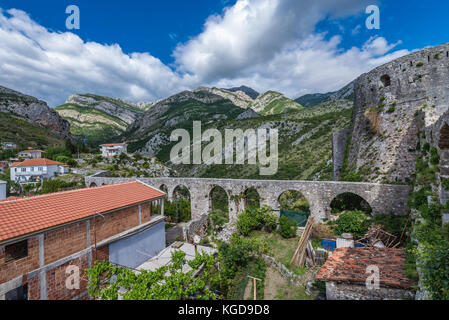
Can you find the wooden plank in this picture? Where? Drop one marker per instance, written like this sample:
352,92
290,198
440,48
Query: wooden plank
299,255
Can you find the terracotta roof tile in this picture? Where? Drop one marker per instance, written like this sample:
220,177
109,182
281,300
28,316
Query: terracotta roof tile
113,144
349,265
32,150
36,162
32,214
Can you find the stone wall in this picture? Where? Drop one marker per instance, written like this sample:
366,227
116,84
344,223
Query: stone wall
195,227
391,104
339,142
347,291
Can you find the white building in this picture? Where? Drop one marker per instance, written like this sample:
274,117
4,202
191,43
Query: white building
113,149
9,145
31,153
33,170
2,190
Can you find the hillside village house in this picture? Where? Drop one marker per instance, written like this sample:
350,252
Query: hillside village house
31,153
32,170
113,149
48,238
9,145
346,274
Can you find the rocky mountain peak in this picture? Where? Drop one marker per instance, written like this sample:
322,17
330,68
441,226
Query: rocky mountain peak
33,110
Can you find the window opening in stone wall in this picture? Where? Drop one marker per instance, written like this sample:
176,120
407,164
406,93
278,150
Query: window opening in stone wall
16,251
386,81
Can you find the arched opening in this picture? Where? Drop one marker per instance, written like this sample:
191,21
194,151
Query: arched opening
179,210
218,199
93,184
386,81
164,188
251,198
443,143
219,208
349,201
292,200
294,206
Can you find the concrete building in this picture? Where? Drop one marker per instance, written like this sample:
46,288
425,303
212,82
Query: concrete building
31,153
47,241
113,149
2,190
9,145
366,274
33,170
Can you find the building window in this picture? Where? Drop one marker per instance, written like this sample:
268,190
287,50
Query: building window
16,251
24,169
20,293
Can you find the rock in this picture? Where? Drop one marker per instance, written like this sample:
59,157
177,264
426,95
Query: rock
34,111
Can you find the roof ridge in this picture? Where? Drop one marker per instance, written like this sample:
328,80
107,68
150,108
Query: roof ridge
69,191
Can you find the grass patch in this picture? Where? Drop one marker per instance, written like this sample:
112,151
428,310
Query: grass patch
281,249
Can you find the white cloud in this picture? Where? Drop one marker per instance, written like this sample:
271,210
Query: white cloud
266,44
52,65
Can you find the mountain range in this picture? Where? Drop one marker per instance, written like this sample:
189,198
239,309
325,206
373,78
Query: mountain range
147,126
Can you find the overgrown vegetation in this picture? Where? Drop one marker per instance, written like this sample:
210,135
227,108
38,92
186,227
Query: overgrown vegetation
287,227
354,222
256,219
165,283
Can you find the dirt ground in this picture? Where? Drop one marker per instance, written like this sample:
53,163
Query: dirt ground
273,283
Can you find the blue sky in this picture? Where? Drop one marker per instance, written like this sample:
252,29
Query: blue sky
146,50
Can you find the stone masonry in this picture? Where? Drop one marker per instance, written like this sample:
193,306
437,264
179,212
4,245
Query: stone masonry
392,103
383,199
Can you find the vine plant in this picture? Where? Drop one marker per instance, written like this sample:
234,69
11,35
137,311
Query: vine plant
111,282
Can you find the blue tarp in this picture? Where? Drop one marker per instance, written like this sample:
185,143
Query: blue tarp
331,245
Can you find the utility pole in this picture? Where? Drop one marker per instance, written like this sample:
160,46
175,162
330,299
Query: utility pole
254,283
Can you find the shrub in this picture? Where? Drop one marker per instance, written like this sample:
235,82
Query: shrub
445,184
420,64
354,222
434,157
435,269
247,221
253,219
218,218
287,227
391,109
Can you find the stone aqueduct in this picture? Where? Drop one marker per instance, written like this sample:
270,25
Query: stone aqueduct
383,199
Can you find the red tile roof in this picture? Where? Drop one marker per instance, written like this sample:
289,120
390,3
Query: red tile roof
31,214
32,150
36,162
349,265
113,144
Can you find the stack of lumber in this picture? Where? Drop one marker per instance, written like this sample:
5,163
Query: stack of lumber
304,248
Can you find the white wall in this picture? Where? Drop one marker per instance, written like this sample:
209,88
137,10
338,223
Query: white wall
2,190
47,172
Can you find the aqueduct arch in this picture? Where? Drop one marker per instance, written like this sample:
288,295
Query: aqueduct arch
383,198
